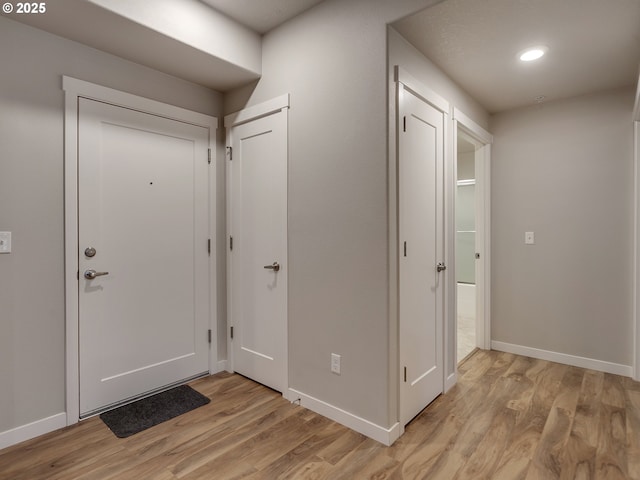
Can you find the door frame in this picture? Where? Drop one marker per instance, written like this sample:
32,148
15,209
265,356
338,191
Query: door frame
483,141
635,367
246,115
74,89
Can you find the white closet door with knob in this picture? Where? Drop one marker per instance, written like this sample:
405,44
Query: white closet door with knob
421,273
257,167
143,231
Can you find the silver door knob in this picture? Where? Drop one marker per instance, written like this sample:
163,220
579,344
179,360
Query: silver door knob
91,274
441,267
275,267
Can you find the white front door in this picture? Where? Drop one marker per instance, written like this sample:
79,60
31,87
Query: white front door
258,259
421,154
143,229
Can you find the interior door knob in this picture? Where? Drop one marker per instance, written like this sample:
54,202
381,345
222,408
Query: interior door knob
275,267
91,274
441,267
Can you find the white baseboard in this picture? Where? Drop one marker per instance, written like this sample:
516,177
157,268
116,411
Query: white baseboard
583,362
383,435
32,430
221,366
450,381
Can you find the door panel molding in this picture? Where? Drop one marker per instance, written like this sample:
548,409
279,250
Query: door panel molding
75,89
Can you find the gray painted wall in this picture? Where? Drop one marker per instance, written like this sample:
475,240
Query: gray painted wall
332,61
32,329
565,171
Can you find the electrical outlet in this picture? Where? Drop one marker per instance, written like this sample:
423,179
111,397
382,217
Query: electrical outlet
335,363
529,238
5,242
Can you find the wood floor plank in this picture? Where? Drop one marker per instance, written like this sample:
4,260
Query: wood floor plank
542,382
325,432
485,459
611,455
313,469
580,452
471,454
198,455
356,461
633,433
342,446
508,418
547,461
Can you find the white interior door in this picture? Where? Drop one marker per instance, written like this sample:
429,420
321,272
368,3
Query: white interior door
258,259
420,203
143,218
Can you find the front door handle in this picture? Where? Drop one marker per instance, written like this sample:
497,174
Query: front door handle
91,274
275,267
441,267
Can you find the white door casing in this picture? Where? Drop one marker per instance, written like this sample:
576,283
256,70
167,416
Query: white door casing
77,285
421,247
258,263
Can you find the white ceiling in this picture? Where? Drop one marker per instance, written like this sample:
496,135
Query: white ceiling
593,45
261,15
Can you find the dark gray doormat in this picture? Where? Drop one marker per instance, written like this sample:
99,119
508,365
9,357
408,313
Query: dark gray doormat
138,416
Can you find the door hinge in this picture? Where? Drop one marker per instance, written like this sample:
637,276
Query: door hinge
209,335
404,123
209,157
230,152
230,243
405,374
209,246
405,249
231,332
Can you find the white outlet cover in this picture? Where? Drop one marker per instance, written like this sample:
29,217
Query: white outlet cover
5,242
529,238
335,363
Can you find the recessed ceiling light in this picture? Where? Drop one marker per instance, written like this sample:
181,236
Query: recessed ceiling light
533,53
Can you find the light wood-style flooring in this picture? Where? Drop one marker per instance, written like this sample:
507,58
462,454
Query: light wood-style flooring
509,417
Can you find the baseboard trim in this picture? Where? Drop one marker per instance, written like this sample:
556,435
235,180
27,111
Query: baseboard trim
221,366
450,381
583,362
32,430
383,435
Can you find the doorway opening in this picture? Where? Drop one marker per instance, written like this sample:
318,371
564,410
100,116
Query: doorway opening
472,153
466,250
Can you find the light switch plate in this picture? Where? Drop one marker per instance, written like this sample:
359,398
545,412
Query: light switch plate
529,238
335,363
5,242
